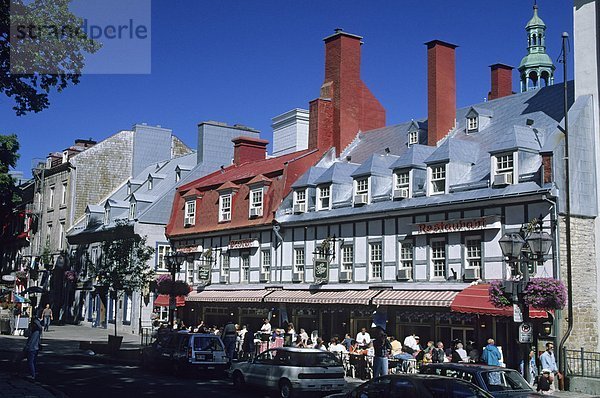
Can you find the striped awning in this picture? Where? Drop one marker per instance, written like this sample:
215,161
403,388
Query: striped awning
224,296
420,298
356,297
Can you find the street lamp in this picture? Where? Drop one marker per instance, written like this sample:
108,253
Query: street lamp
174,262
530,245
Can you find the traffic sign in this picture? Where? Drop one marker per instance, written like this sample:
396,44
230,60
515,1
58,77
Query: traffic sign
526,332
517,314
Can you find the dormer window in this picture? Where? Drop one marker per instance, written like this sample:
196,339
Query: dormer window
150,183
402,184
132,211
106,215
256,203
300,201
65,156
225,207
190,213
437,178
177,175
503,169
324,197
361,191
413,138
88,218
472,123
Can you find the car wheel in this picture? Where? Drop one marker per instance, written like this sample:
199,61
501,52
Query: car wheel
285,389
238,380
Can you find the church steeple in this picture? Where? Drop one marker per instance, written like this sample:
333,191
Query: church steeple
536,68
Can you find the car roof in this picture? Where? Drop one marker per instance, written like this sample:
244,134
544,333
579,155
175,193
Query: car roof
467,366
295,349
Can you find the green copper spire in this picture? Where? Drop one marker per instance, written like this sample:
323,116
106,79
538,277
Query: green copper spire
536,68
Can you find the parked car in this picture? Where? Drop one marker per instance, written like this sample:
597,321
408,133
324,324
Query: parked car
500,382
409,385
291,371
183,352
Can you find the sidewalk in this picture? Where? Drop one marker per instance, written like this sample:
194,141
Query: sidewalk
60,341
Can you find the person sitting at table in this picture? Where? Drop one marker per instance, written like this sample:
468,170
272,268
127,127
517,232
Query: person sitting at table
396,346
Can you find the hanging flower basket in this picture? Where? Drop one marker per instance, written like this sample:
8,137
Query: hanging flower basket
165,285
498,297
545,294
181,288
70,276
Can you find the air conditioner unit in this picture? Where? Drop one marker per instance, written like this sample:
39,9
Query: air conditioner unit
297,277
361,199
226,216
404,274
503,179
188,221
345,276
223,279
256,212
401,193
472,273
264,276
300,208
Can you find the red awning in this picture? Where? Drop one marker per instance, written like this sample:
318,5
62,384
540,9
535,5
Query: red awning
476,300
163,301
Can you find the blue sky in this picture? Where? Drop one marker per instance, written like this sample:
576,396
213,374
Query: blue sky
247,61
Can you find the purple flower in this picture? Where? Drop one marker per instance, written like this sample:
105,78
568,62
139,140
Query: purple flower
70,276
545,294
498,296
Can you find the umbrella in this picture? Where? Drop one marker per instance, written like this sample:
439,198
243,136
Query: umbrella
33,290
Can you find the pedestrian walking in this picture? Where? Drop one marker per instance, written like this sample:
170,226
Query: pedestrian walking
229,338
491,354
47,316
382,349
32,346
548,362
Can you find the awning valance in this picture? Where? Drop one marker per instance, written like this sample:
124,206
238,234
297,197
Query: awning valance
476,300
420,298
163,301
356,297
223,296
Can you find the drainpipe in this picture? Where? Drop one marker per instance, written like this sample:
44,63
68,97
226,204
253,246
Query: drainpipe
561,345
276,229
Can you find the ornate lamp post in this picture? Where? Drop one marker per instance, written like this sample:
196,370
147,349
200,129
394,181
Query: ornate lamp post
174,262
522,250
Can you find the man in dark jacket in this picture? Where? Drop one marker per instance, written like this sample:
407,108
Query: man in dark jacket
229,339
32,346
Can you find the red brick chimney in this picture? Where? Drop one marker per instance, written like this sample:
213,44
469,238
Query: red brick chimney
248,149
441,90
501,81
345,105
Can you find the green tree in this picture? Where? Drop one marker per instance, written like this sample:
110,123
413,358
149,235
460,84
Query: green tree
9,195
123,264
44,58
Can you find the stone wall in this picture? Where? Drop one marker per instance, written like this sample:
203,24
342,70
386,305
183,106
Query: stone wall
585,287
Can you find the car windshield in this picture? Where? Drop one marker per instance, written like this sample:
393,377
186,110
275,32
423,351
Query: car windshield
310,359
503,380
205,343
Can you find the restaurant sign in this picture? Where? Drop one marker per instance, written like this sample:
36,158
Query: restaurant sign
189,249
242,244
460,225
321,271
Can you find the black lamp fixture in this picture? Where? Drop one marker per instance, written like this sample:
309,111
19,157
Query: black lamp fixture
546,328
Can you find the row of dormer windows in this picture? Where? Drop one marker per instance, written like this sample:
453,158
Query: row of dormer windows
503,171
255,207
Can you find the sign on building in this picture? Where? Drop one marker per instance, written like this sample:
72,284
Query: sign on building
526,333
321,271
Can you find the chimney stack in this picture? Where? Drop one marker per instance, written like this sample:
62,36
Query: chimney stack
441,90
248,149
345,105
501,81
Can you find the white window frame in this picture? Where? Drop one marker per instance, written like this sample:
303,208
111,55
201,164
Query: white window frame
439,257
224,207
437,176
106,215
472,123
299,260
347,258
473,252
402,180
150,183
245,267
51,198
128,188
63,196
61,235
94,258
413,138
190,271
375,261
324,196
132,207
48,233
162,250
256,200
265,261
225,264
190,212
406,254
127,307
300,198
177,175
504,163
361,186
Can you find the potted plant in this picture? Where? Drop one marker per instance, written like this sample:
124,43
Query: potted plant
123,268
545,294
